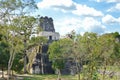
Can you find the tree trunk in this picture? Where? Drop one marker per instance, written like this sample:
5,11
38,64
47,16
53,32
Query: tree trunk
104,73
25,57
104,70
9,64
78,70
12,56
25,62
42,64
2,72
78,76
59,74
12,73
8,73
9,67
91,72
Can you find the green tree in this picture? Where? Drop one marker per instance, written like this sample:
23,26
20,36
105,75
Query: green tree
58,52
106,47
116,55
87,54
10,9
35,44
18,62
26,26
15,46
76,51
4,55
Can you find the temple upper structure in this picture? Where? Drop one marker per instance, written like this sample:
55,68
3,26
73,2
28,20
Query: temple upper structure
47,26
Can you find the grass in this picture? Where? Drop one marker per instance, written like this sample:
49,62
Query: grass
111,68
70,77
64,77
50,77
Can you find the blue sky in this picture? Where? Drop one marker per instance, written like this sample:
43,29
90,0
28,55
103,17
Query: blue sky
100,16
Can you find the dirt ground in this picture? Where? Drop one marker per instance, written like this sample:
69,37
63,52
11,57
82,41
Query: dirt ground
15,77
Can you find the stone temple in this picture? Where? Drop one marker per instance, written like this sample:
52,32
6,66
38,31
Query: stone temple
41,64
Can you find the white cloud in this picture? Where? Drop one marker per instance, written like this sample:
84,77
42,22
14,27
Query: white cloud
117,6
108,19
87,11
56,4
92,25
118,19
87,24
108,1
98,0
114,8
69,6
113,0
67,25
